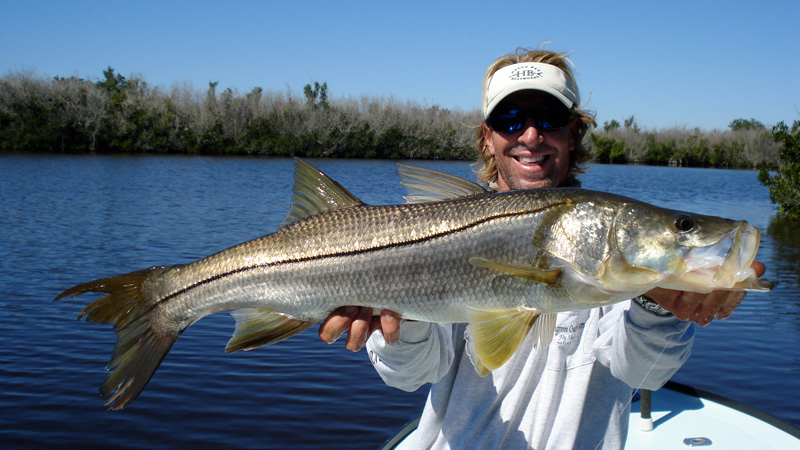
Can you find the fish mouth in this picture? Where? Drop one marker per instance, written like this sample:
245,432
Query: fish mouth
724,265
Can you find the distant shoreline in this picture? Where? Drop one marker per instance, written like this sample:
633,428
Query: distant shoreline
121,115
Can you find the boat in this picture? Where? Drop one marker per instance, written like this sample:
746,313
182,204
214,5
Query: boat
680,416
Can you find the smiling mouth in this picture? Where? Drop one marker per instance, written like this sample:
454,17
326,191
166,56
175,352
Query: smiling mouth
531,159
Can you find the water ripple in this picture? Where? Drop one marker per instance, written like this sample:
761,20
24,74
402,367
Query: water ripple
68,219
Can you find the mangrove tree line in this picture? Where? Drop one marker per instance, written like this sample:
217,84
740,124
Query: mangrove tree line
746,144
119,114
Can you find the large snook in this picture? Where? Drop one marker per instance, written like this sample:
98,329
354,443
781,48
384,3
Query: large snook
503,262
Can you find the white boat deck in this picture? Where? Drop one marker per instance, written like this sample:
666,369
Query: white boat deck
683,417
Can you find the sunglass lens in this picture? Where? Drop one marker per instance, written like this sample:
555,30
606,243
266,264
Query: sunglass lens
508,121
551,119
544,119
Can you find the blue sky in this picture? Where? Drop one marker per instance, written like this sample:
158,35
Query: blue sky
678,63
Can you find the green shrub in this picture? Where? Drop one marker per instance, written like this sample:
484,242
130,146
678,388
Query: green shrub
784,182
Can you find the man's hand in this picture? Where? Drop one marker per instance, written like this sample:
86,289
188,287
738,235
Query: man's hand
701,308
361,323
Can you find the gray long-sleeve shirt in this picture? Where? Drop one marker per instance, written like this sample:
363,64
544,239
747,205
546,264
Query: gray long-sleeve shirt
575,394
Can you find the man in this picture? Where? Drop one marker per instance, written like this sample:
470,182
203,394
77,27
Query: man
576,392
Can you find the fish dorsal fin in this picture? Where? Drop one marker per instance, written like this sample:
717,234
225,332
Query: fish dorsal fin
315,192
428,185
256,327
493,336
538,275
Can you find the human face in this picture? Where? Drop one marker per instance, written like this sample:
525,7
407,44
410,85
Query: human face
530,158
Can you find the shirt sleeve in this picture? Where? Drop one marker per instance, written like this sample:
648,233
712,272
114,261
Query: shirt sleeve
423,354
641,348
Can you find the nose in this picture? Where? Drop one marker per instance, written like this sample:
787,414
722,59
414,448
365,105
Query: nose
530,135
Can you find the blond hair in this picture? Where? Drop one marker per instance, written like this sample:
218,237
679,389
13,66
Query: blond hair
487,170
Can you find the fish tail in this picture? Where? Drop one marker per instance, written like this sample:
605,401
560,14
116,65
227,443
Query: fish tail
140,348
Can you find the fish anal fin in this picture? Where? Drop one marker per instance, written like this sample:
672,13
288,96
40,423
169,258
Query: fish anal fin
315,192
530,273
493,336
256,327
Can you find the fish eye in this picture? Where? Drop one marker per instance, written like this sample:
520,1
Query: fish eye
684,222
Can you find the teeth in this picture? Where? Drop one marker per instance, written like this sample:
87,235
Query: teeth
535,159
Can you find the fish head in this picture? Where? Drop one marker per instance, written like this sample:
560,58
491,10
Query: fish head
685,251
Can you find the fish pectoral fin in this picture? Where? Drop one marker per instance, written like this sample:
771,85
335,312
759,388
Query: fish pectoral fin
256,327
538,275
493,336
592,292
428,185
315,192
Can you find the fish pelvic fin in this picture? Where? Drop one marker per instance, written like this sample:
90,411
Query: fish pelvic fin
538,275
428,185
494,336
256,327
315,192
139,349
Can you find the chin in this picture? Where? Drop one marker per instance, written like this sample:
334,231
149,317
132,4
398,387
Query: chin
540,185
532,184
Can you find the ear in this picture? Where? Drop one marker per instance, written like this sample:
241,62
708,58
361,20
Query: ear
487,136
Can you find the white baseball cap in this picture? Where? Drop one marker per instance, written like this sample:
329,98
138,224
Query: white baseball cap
522,76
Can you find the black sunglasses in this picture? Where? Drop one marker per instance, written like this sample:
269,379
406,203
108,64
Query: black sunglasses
544,119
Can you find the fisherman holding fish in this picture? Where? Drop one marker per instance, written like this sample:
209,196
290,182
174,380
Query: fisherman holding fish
574,393
534,310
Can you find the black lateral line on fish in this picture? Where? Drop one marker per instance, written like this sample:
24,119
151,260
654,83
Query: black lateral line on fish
335,255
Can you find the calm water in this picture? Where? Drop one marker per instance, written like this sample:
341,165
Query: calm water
66,220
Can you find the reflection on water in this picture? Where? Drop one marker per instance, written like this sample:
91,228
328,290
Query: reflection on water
786,248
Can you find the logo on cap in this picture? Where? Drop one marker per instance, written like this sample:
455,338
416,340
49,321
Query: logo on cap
525,73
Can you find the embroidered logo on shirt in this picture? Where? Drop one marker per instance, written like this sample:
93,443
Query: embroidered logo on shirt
566,335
